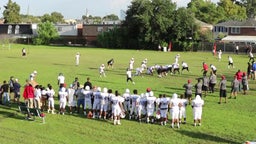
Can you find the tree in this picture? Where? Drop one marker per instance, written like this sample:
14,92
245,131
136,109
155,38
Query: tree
147,22
46,33
55,17
111,17
232,11
206,11
12,12
250,7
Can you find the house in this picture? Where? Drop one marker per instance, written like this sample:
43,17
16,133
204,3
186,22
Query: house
22,33
237,31
70,34
91,31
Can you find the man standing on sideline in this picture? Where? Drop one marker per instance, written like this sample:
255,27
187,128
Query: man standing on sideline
16,87
77,58
223,87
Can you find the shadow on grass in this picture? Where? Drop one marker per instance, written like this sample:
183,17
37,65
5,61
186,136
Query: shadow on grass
59,64
206,137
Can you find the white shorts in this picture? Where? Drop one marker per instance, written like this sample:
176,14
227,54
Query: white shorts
63,104
174,114
104,107
182,112
197,114
163,113
150,111
96,105
51,102
116,111
87,104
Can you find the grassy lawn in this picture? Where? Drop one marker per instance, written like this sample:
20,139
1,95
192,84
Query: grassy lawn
233,122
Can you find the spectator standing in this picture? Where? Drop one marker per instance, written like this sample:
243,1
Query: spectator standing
23,51
245,83
16,86
254,70
88,83
188,90
223,89
77,58
5,93
237,49
28,95
234,88
205,85
198,87
212,82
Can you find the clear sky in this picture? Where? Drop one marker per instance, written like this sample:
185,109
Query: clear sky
75,8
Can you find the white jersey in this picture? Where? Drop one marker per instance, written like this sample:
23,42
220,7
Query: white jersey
230,60
126,97
105,98
129,74
101,69
183,103
37,93
50,93
87,95
61,79
97,97
131,64
185,65
164,102
175,104
134,99
213,67
197,104
63,96
151,102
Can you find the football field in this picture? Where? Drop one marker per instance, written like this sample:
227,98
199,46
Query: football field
231,122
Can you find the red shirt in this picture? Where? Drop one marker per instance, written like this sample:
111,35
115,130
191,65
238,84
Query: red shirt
205,67
239,76
28,92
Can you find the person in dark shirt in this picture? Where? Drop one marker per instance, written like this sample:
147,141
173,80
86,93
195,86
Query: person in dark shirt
16,87
5,91
88,83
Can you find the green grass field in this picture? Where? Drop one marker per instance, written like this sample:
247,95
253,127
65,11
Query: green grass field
233,122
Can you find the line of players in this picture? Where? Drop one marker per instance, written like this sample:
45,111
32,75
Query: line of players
142,107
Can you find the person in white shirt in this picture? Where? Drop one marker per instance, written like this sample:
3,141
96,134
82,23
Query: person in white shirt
177,58
63,96
182,113
151,99
184,66
213,68
219,55
251,57
127,97
175,68
230,62
61,79
71,98
163,106
96,102
102,70
104,105
116,108
50,93
87,100
77,58
134,101
174,112
33,75
129,76
38,96
197,105
131,63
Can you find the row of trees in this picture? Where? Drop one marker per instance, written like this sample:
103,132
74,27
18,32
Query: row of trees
149,23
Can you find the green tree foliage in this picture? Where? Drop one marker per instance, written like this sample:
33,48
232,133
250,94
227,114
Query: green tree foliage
111,38
206,11
46,33
250,7
111,17
55,17
29,19
147,22
232,11
12,12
